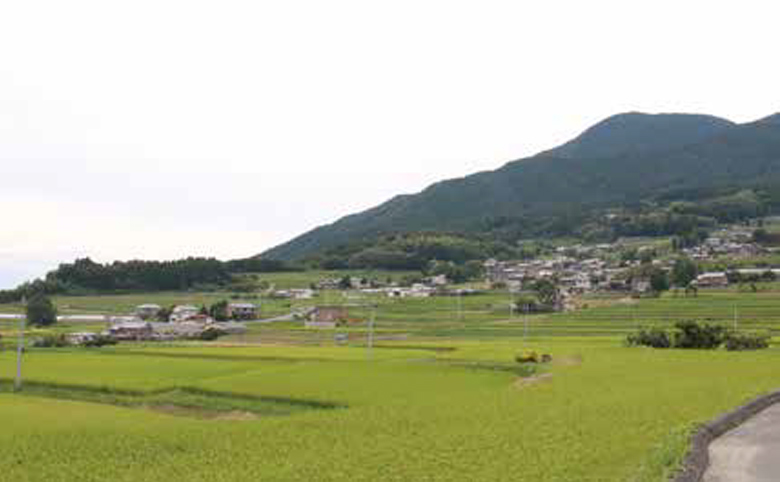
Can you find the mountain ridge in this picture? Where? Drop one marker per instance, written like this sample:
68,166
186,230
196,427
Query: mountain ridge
620,160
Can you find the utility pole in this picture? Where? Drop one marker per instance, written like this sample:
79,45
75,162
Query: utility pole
371,321
525,323
20,348
511,303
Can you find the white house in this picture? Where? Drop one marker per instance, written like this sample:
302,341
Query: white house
712,280
242,311
183,313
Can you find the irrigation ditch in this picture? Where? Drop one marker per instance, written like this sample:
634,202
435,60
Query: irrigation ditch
184,401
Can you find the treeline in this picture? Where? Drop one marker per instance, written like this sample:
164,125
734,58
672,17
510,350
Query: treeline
85,276
256,264
28,290
411,251
183,274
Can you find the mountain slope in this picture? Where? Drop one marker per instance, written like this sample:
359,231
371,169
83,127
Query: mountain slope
622,160
634,132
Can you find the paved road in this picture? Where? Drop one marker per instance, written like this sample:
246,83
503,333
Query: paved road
749,453
85,318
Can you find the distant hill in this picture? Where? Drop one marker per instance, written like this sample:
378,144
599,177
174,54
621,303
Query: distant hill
625,160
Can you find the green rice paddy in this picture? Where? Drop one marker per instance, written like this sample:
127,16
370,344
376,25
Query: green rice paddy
439,397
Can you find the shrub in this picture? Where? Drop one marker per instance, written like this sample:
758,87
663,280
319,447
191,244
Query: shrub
736,341
100,340
691,334
652,337
51,341
533,357
41,311
703,336
211,333
527,357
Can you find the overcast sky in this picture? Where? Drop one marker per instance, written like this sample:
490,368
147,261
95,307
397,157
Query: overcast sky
161,128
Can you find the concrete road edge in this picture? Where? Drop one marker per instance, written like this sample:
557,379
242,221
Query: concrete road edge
698,459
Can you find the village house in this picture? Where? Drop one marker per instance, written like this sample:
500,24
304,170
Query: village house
302,293
326,316
357,282
712,280
147,311
577,283
131,330
280,294
417,290
641,285
328,284
183,313
116,320
242,311
438,280
182,330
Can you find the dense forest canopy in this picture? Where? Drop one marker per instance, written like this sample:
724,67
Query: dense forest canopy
85,276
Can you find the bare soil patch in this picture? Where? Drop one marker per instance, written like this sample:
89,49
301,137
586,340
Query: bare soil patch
568,361
532,380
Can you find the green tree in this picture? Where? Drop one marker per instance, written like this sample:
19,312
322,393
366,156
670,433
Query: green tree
473,270
41,311
546,292
684,271
219,310
164,314
646,256
659,281
525,303
345,283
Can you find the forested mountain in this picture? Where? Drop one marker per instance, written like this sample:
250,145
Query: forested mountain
636,132
627,162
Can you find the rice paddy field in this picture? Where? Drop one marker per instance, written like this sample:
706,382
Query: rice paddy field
438,397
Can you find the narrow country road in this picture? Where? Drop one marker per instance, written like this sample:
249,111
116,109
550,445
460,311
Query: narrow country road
748,453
